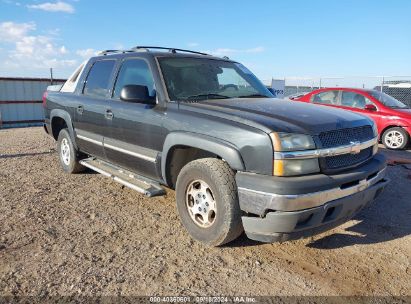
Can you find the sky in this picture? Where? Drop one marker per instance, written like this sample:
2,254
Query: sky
294,38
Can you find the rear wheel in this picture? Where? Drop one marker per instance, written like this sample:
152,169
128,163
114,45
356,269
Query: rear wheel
395,138
207,201
68,155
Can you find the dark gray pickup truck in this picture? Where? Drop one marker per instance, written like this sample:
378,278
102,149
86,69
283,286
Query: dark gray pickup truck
239,159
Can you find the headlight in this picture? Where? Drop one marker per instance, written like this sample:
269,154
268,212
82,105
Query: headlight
292,142
286,142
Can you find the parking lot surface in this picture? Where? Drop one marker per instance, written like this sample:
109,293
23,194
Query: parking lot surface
84,234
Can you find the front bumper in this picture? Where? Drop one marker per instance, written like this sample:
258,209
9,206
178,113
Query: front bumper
277,216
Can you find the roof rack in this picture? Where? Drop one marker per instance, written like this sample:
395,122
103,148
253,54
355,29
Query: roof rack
147,49
171,50
106,52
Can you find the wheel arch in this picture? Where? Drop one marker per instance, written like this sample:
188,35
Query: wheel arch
57,117
393,125
207,146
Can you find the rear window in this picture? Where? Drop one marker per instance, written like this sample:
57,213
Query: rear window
98,78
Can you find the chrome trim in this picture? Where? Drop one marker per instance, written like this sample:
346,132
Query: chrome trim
295,202
99,143
142,156
351,148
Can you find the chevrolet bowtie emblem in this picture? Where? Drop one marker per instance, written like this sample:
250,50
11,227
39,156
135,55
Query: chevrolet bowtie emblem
355,147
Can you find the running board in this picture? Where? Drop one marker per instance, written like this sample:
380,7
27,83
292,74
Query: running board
136,182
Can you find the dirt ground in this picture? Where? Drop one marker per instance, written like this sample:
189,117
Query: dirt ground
85,234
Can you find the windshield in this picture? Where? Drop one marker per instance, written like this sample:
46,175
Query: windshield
201,79
387,100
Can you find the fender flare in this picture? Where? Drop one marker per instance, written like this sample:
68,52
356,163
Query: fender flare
67,118
223,149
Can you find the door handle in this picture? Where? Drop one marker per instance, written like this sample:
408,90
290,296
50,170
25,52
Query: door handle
109,114
80,109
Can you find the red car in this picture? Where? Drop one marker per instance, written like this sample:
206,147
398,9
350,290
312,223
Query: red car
393,118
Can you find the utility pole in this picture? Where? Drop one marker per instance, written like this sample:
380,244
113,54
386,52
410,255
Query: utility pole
51,76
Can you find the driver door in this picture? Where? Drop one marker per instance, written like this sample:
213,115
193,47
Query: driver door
356,102
136,133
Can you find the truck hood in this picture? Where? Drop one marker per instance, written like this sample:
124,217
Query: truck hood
271,114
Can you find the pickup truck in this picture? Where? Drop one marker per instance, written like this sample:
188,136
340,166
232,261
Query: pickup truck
238,159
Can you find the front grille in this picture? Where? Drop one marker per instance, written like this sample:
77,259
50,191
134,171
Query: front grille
347,160
343,137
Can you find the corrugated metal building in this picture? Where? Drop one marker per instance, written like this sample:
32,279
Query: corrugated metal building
21,101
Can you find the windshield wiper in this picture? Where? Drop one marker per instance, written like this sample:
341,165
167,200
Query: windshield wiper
253,95
206,96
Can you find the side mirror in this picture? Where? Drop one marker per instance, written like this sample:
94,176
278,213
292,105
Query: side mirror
137,94
370,107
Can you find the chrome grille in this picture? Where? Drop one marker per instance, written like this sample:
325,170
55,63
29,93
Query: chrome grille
343,137
347,160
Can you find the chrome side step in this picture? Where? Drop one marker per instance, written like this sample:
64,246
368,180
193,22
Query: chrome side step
131,180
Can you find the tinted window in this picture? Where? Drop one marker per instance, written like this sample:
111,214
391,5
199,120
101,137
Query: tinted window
327,97
98,78
134,71
354,100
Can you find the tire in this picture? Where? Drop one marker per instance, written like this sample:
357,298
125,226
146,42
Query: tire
209,184
68,155
395,138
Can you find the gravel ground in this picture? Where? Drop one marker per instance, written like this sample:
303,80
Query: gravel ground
84,234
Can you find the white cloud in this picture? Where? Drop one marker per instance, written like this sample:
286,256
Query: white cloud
228,51
63,50
11,31
30,52
86,53
59,6
52,32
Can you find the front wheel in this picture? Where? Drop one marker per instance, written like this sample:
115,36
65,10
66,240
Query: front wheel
395,138
207,201
67,153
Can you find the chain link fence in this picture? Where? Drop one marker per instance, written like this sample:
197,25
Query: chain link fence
398,87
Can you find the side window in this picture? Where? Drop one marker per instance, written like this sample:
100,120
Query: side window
98,78
327,97
354,100
134,71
